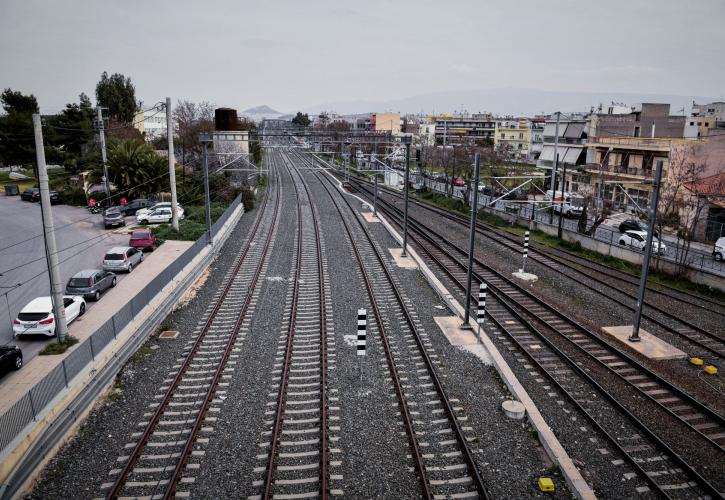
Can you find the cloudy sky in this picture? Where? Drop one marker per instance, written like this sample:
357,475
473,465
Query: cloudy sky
292,54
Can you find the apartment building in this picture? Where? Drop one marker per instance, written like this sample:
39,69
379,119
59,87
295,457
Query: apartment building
705,117
385,122
573,131
513,137
457,129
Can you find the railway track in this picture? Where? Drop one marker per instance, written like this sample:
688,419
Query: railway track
441,456
160,463
705,343
564,349
297,463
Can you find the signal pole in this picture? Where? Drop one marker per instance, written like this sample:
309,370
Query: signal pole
102,137
407,140
172,166
556,165
51,250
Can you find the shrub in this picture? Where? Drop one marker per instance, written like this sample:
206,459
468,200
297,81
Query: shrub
58,347
247,199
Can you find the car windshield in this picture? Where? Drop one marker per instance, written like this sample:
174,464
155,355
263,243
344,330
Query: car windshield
32,316
113,256
79,282
140,236
113,211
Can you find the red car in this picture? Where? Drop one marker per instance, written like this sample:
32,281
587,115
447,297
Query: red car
459,182
143,239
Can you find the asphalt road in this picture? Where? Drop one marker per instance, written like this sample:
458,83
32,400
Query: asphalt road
81,240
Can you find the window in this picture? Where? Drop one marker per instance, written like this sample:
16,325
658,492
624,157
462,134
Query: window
521,135
503,136
707,124
636,131
692,123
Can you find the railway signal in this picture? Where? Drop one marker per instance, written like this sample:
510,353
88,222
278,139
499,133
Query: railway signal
526,251
481,309
362,326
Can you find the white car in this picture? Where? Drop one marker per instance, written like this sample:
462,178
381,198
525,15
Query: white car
158,216
163,204
37,317
638,239
718,250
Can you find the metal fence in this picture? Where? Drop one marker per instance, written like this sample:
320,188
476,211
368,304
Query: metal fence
27,408
694,258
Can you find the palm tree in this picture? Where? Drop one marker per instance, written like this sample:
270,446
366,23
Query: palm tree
135,168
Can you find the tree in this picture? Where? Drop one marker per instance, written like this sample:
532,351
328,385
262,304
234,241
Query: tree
303,120
191,119
17,144
118,94
70,134
136,169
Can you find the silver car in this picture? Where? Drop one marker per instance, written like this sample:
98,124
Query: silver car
122,259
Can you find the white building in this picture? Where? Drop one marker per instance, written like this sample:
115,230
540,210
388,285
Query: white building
151,123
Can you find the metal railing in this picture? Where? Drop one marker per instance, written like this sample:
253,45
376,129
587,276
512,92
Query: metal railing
31,405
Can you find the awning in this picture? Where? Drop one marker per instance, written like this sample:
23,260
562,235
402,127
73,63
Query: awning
547,154
571,156
550,129
574,130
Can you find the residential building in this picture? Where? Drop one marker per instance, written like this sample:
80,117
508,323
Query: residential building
573,131
705,117
513,137
457,129
623,151
536,124
385,122
151,123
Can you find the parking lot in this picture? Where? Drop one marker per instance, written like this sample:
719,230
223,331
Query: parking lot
81,240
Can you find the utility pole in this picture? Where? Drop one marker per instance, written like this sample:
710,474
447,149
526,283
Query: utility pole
556,163
407,140
647,253
172,166
51,250
102,137
561,204
472,239
207,199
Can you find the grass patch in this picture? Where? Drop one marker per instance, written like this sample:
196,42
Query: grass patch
262,181
192,227
117,390
58,347
143,353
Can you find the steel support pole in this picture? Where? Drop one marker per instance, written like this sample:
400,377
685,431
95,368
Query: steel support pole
647,253
556,163
207,199
405,211
172,166
102,137
561,204
51,250
375,197
472,239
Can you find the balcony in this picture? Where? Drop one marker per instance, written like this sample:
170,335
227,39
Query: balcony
620,171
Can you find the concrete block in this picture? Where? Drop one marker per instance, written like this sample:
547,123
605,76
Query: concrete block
531,278
404,262
649,346
514,409
369,217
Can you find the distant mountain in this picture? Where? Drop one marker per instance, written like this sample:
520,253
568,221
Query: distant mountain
259,113
507,101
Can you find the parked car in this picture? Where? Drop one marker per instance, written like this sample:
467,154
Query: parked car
638,240
718,250
158,216
122,259
33,194
635,225
143,239
135,205
113,217
37,317
570,204
90,283
163,204
459,182
11,358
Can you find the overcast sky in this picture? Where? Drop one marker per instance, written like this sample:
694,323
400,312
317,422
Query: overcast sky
294,54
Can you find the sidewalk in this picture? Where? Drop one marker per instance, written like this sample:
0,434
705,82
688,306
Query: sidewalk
16,384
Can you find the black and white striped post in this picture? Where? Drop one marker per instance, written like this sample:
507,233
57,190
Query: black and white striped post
362,327
526,250
481,309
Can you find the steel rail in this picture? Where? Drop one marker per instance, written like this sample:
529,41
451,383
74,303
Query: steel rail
458,433
428,235
135,455
535,254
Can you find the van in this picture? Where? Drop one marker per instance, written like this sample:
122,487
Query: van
571,204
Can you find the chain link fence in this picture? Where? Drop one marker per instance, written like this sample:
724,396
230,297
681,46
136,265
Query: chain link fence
27,408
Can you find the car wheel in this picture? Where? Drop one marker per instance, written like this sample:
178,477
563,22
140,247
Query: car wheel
130,268
621,242
18,363
97,296
141,260
143,222
113,282
718,256
82,310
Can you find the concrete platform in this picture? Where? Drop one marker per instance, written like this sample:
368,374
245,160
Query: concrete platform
649,346
14,385
404,262
463,338
369,217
